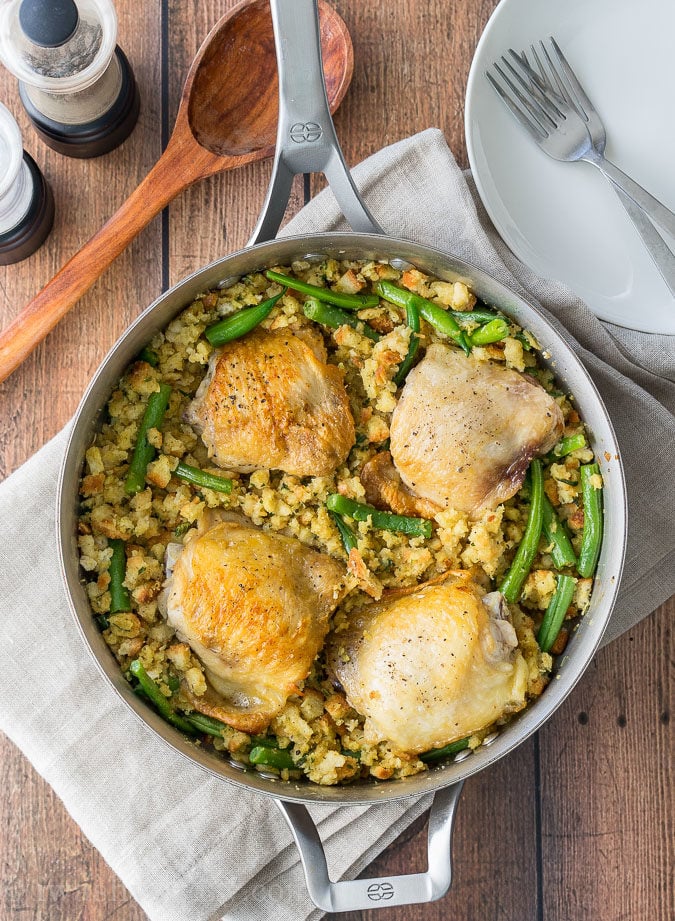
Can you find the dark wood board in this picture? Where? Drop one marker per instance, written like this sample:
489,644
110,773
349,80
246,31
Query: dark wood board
576,824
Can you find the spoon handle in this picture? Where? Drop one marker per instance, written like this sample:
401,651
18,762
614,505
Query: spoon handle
164,181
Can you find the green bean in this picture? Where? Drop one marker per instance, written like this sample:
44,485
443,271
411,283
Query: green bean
401,297
524,341
349,540
200,478
153,693
522,561
562,552
150,356
265,741
119,594
205,724
417,527
555,612
144,451
275,757
591,536
440,319
452,749
327,315
240,323
444,323
494,331
475,317
412,316
339,298
571,443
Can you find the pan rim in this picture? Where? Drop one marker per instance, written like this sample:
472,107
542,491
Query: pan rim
565,676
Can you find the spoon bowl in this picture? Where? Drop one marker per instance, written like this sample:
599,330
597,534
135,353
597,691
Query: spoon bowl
232,107
227,118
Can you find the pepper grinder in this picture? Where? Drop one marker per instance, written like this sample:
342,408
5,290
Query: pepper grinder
26,201
75,83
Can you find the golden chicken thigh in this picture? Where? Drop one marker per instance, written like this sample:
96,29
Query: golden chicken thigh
430,665
254,607
464,431
271,401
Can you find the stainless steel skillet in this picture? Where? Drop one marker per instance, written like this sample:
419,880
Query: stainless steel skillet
306,143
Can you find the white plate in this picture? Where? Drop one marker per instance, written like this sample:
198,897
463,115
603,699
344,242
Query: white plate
563,220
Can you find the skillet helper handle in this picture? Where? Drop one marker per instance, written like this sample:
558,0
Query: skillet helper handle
380,892
306,139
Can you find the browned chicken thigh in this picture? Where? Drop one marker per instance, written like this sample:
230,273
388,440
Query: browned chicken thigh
271,401
430,665
464,431
254,607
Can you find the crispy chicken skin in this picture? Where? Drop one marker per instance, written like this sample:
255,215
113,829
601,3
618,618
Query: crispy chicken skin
271,401
254,607
385,490
464,431
429,665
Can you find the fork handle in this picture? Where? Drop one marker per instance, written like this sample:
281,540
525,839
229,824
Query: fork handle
661,254
661,216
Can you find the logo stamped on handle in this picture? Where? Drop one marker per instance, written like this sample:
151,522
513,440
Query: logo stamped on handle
306,133
380,892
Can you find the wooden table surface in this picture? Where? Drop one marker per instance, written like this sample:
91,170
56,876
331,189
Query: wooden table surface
577,823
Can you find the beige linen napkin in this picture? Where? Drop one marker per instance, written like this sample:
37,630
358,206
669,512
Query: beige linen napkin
193,848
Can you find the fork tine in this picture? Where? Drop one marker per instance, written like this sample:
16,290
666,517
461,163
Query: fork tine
525,118
546,74
533,92
584,102
543,90
542,79
535,57
562,85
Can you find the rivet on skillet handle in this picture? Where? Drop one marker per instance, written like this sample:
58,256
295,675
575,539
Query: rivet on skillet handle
306,139
384,891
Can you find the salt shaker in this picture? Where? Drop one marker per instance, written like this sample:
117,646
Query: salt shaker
26,201
76,84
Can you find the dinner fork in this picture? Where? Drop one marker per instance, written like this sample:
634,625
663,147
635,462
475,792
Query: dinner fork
560,131
559,70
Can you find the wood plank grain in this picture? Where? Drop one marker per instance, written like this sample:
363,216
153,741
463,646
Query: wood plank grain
48,869
606,785
410,72
607,776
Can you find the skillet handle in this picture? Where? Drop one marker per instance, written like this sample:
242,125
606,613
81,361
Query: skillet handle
306,139
380,892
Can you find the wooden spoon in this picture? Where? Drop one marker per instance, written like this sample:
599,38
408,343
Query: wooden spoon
227,118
